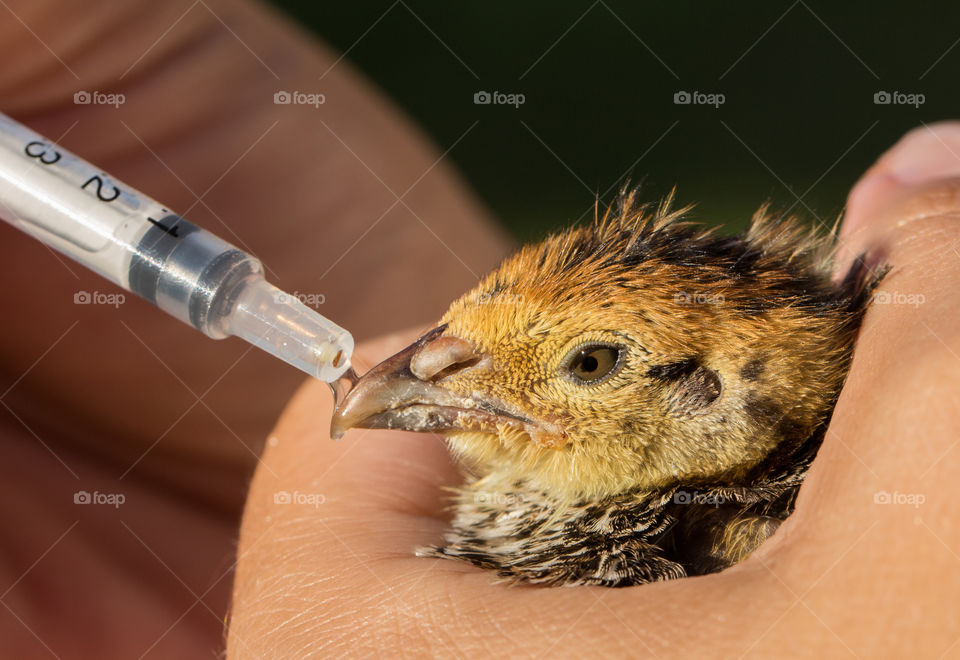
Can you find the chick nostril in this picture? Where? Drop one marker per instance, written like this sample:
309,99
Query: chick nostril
442,354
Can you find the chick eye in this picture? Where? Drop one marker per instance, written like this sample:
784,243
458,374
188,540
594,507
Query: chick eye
591,364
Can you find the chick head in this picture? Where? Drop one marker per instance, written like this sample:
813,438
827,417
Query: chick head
635,353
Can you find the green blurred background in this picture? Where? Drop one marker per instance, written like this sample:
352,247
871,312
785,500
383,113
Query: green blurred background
798,125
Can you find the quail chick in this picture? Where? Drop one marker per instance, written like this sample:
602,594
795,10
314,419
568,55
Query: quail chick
632,401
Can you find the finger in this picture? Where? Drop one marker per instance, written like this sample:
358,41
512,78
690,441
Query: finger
309,190
904,213
327,545
319,511
922,160
883,489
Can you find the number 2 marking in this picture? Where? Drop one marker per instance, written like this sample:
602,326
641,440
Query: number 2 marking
47,155
100,189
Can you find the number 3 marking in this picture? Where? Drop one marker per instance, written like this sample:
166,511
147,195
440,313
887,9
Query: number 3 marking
42,152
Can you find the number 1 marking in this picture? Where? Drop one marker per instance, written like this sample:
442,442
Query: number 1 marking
170,230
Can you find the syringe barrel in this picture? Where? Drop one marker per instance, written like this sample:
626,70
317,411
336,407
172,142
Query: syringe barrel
70,205
117,231
190,273
142,247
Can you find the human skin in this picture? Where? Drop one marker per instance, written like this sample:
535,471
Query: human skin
846,574
106,400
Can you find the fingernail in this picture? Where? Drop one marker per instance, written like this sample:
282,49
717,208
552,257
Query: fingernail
925,154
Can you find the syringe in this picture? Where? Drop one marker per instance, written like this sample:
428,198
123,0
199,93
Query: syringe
142,247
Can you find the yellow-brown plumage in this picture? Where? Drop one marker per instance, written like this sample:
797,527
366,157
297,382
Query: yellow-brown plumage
725,357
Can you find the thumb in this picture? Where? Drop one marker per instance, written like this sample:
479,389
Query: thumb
321,513
895,422
904,213
917,178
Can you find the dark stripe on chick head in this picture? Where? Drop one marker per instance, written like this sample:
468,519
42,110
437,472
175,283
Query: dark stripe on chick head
674,370
691,386
753,369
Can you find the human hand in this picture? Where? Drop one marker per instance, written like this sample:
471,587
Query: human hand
128,402
866,565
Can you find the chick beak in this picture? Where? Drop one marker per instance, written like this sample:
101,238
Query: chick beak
403,393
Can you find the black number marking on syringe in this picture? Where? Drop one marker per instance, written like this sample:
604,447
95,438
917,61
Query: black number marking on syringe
100,188
47,155
44,152
170,230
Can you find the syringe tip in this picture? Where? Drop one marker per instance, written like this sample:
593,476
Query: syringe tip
281,324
